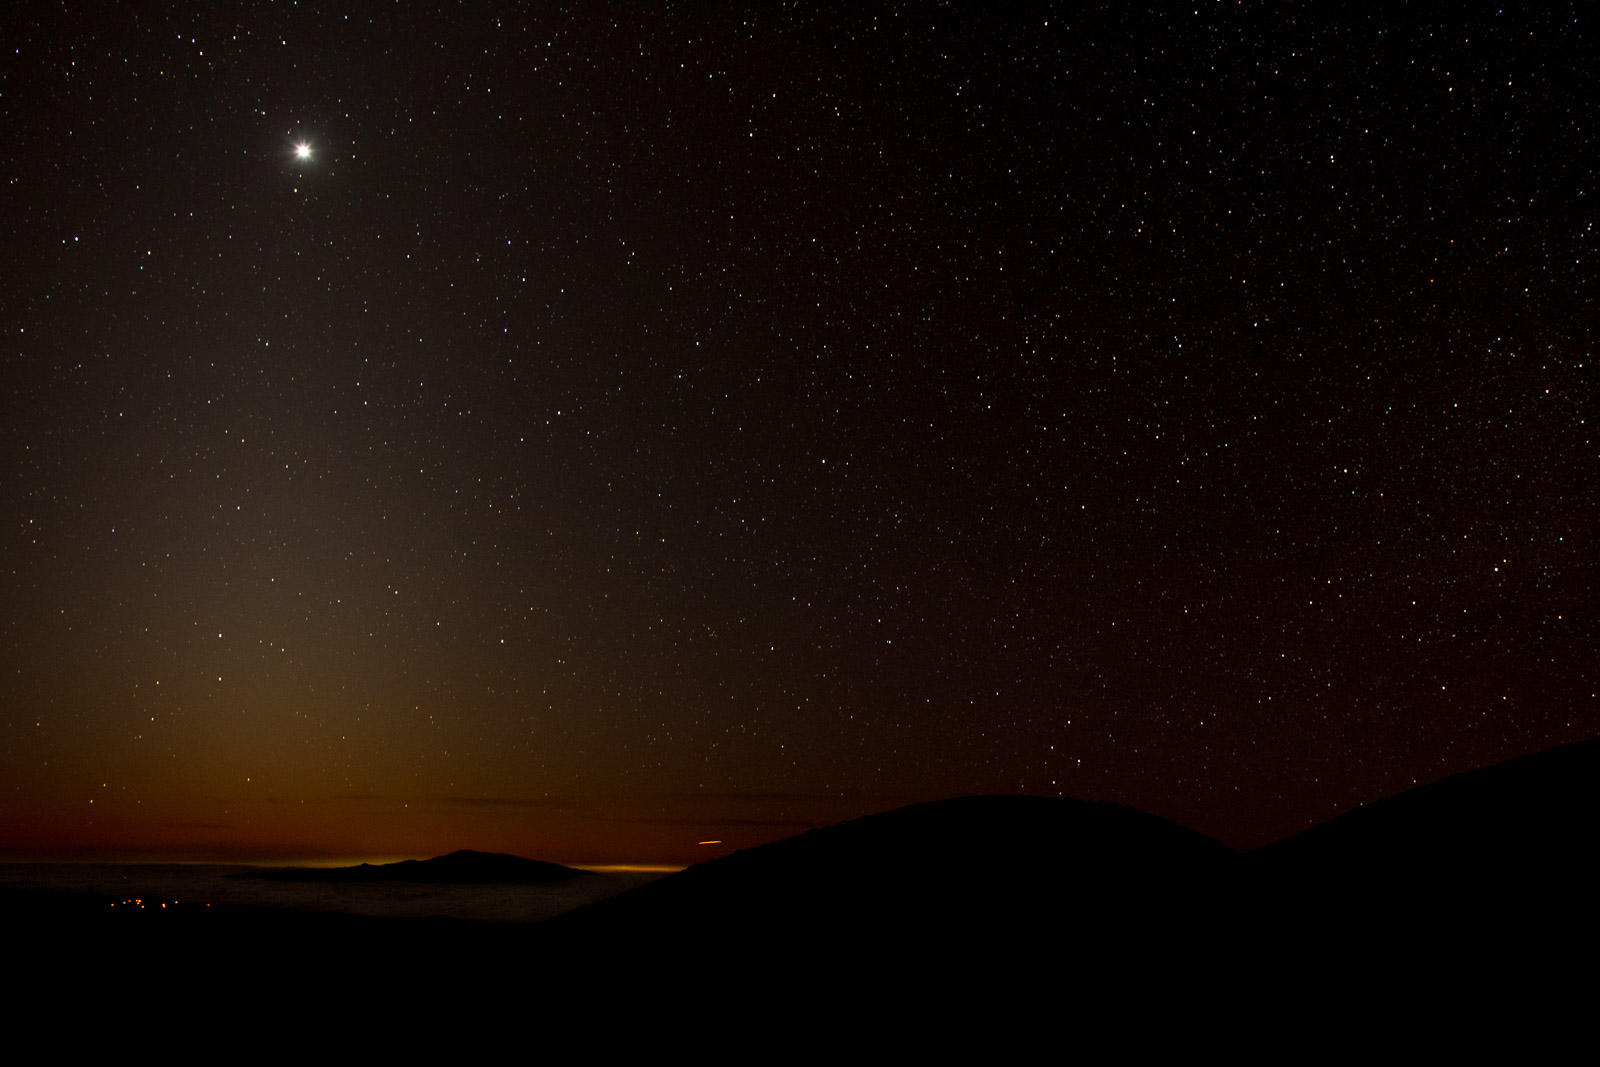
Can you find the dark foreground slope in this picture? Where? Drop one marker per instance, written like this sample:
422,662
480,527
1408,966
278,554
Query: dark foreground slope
1457,905
1476,880
1526,821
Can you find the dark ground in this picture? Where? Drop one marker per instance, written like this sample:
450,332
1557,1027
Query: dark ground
1472,896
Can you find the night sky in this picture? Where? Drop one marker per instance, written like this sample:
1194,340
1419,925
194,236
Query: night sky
627,426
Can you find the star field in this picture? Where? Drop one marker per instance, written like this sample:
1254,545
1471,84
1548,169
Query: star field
586,432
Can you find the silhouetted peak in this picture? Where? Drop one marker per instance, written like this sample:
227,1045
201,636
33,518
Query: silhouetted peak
462,867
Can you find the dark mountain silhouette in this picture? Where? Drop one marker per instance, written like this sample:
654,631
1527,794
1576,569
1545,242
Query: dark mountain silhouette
1520,833
463,867
981,915
1421,900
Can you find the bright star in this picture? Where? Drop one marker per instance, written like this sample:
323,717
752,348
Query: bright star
302,151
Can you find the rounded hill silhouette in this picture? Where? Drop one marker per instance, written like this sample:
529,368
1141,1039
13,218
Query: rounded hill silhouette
966,875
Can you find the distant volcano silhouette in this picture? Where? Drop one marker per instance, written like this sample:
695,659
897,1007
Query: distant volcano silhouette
463,867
